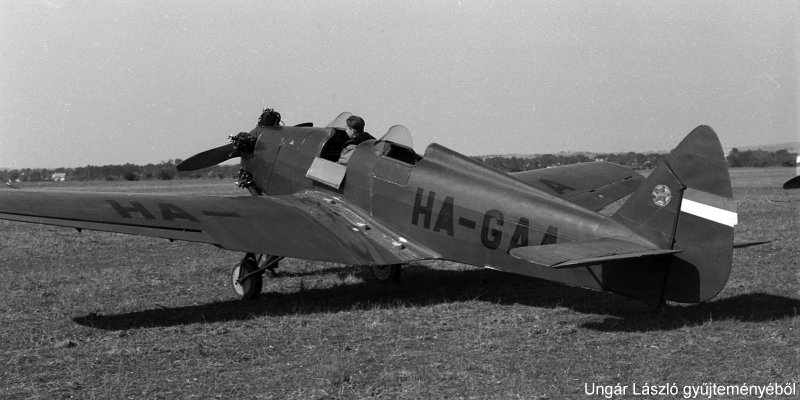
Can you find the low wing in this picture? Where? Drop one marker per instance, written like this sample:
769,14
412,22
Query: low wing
593,185
309,225
577,254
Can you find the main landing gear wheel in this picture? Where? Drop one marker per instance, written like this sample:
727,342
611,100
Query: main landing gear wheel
250,287
385,273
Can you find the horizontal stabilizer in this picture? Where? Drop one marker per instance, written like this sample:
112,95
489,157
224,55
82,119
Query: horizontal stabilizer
793,183
577,254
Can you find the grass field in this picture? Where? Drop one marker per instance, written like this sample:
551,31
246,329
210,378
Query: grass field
112,316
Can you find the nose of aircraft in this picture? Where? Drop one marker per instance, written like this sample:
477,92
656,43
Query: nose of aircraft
242,143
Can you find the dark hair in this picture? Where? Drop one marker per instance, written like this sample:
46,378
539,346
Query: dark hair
357,123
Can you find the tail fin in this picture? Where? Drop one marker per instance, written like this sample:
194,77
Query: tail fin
687,204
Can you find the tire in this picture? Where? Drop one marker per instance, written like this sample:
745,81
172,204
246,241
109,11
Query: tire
251,287
385,273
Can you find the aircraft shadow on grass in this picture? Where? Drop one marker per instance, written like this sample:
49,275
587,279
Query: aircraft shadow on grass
421,286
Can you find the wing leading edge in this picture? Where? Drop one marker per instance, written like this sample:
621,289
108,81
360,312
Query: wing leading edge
310,225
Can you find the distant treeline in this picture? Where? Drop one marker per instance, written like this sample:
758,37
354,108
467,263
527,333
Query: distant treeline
166,170
516,164
761,158
736,158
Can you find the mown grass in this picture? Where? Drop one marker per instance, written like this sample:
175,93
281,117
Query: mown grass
99,315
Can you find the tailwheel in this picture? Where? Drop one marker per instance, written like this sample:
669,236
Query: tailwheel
246,278
385,273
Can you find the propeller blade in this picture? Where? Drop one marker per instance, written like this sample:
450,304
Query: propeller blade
209,158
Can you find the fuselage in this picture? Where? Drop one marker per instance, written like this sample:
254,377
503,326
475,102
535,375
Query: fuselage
462,209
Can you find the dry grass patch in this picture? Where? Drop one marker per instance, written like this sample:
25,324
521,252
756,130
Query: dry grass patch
99,315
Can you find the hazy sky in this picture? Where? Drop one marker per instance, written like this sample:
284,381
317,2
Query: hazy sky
108,82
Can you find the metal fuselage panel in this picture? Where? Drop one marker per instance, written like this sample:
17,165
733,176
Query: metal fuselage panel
462,209
282,157
473,214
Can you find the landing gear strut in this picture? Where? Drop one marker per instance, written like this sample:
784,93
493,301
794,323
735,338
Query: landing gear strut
247,278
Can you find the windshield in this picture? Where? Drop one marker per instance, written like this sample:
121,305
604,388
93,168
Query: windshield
399,134
341,121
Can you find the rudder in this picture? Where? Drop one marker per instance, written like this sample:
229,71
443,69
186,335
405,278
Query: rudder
687,204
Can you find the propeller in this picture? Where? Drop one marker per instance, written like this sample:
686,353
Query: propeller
240,144
209,158
243,143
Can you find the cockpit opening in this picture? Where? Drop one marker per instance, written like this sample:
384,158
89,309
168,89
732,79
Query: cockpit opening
395,144
399,152
332,149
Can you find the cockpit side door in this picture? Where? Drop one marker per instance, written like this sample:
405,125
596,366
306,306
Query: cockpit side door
394,164
393,168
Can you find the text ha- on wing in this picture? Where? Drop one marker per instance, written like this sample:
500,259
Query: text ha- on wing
309,225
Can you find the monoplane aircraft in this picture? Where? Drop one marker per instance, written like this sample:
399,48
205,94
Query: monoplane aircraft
596,225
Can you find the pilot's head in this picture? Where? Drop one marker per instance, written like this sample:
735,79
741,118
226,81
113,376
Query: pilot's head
355,125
